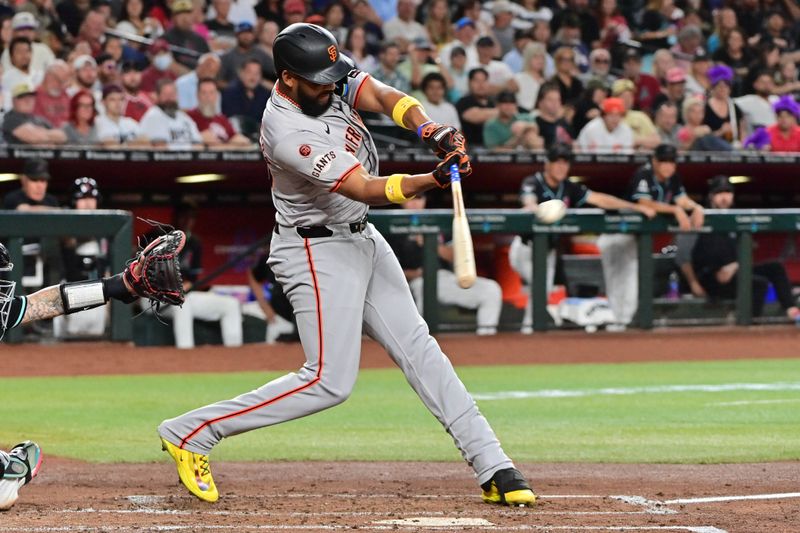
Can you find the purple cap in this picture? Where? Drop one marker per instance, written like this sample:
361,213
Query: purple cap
787,103
758,139
720,73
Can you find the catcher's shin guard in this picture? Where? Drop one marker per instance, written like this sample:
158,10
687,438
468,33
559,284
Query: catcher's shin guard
20,466
509,487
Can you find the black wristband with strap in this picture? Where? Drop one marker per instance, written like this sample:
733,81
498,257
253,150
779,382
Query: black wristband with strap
115,288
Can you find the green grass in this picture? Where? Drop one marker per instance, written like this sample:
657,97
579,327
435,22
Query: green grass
110,419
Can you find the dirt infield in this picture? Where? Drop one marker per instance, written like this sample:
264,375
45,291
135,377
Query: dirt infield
75,496
71,496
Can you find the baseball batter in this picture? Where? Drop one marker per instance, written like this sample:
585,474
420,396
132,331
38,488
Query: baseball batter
337,270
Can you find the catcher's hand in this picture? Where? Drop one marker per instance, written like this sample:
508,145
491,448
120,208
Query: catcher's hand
442,139
442,172
155,273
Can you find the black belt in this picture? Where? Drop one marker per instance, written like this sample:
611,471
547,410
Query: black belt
310,232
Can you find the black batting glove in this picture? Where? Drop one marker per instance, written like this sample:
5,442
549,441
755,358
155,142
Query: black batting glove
442,139
442,172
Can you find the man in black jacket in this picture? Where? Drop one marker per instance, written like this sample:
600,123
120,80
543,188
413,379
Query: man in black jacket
715,264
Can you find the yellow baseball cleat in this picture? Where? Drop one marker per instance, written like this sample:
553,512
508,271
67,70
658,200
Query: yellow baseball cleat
508,487
193,471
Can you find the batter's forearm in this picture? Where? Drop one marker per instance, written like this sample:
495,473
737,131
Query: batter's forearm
44,304
371,190
381,98
411,186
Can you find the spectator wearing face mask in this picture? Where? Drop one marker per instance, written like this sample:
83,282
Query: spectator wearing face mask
165,125
162,65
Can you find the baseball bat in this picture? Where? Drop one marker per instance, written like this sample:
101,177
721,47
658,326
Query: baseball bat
463,253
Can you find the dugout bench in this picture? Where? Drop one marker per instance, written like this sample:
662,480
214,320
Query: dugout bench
115,225
432,222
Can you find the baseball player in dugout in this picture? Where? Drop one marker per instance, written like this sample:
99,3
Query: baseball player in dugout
658,186
84,258
552,183
153,274
338,272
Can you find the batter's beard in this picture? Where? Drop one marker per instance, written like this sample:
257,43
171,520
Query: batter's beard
311,106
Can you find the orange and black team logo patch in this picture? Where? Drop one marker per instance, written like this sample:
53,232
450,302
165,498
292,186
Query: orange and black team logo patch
305,150
332,53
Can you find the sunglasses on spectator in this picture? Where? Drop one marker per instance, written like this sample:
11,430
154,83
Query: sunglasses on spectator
570,59
599,60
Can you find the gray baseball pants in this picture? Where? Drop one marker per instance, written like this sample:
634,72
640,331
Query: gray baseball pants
340,287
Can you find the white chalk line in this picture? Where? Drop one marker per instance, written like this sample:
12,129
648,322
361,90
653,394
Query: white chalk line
752,402
657,504
147,499
651,506
718,499
621,391
311,527
181,512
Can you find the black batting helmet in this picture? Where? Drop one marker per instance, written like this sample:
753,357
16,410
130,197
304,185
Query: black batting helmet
559,150
5,259
85,188
310,52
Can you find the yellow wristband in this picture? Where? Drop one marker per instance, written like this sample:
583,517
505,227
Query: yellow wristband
394,189
401,107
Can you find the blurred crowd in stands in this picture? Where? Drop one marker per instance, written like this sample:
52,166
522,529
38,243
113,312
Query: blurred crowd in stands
602,75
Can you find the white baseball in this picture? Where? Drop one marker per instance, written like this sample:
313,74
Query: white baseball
551,211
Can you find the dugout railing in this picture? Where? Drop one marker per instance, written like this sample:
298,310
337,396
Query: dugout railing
115,225
433,222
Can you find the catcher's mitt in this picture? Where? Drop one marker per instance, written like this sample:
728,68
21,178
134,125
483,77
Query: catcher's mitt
155,273
442,139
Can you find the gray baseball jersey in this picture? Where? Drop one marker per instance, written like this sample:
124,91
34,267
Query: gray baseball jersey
340,286
310,157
